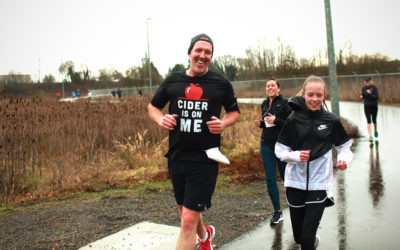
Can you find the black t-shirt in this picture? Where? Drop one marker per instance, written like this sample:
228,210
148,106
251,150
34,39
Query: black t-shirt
195,100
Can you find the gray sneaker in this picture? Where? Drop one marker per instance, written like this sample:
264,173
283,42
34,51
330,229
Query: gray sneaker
277,217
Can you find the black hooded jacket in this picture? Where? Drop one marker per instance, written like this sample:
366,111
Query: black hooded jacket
311,130
281,110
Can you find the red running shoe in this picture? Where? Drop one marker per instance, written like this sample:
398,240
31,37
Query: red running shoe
207,245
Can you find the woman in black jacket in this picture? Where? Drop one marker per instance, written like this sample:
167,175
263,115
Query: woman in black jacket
275,110
369,93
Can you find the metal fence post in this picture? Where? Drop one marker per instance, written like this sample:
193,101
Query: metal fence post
356,77
380,82
379,76
295,80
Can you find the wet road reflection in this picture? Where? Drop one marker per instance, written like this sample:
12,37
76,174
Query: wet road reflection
365,215
341,205
376,185
277,243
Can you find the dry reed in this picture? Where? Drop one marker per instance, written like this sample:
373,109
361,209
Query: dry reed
48,147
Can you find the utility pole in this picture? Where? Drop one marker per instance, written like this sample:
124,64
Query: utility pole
62,86
332,62
39,71
148,55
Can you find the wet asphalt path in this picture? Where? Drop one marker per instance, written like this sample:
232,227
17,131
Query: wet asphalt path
367,194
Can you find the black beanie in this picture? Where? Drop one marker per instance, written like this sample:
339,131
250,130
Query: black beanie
200,37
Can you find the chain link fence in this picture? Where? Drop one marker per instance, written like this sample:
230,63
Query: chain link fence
125,92
349,87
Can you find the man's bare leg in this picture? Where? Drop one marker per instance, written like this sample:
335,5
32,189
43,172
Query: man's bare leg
191,223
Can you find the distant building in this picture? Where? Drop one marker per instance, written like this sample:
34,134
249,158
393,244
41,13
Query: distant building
16,78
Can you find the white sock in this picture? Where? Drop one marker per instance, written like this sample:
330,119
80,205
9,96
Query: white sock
205,238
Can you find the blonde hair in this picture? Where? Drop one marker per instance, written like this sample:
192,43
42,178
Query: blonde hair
313,78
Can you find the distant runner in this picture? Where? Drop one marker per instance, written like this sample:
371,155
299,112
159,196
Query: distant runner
369,93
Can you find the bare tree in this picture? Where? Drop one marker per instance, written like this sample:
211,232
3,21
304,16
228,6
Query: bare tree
49,78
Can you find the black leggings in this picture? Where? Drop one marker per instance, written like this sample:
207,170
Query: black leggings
371,111
306,210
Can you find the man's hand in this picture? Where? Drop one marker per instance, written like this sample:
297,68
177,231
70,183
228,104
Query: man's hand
215,125
257,122
168,121
305,155
342,165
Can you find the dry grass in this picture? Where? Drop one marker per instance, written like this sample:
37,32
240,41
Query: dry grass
48,148
388,87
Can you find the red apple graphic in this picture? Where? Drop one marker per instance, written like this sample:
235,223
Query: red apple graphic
193,92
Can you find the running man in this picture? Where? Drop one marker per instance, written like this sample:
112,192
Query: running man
195,98
369,93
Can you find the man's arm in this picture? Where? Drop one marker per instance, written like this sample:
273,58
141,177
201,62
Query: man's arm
165,121
216,125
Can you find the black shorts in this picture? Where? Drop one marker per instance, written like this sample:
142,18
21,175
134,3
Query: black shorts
193,183
297,198
370,113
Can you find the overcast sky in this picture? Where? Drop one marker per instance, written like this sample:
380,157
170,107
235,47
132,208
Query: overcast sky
41,34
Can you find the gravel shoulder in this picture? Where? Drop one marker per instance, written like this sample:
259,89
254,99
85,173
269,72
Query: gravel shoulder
73,224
